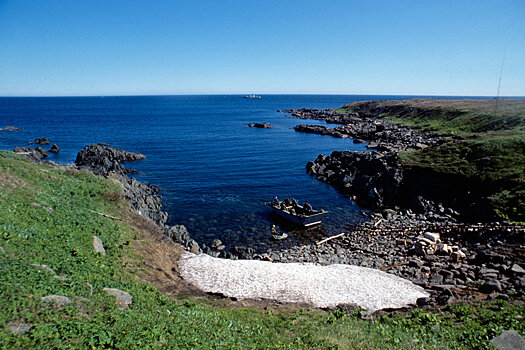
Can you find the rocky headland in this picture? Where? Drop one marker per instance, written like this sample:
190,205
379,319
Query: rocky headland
426,226
103,160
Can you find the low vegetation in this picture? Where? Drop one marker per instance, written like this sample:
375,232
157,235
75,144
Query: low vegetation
47,217
485,144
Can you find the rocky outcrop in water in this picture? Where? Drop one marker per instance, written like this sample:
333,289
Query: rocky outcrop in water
320,130
41,141
10,128
54,149
260,125
101,159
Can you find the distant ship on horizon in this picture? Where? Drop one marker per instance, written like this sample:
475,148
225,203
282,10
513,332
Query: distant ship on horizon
252,96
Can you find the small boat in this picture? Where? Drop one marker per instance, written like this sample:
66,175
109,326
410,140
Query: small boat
298,214
252,96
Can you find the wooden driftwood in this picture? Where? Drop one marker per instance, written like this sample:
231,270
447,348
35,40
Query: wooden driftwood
105,215
330,238
395,265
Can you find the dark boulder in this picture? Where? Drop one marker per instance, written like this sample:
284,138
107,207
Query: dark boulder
372,178
101,159
490,286
54,149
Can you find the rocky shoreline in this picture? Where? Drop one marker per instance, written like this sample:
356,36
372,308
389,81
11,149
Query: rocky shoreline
468,262
379,133
392,240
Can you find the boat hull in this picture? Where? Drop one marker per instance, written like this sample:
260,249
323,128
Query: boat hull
303,220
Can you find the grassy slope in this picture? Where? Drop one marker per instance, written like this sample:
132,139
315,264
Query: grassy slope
486,144
62,239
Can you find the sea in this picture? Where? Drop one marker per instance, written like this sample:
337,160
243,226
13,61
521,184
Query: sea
215,173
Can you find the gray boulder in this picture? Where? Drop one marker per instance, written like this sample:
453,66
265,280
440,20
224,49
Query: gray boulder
98,246
123,299
56,300
508,340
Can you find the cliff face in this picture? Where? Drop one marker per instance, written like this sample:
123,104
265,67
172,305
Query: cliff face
372,178
379,181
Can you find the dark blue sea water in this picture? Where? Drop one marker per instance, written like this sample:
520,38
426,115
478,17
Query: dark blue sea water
215,172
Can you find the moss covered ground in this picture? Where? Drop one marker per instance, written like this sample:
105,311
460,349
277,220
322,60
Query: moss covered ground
47,216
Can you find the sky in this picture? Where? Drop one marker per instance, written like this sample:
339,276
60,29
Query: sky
140,47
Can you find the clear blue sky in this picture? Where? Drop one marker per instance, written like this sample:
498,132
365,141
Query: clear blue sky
114,47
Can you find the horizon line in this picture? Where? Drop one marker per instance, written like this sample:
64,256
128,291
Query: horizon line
265,94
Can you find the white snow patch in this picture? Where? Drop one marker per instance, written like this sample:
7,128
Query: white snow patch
320,286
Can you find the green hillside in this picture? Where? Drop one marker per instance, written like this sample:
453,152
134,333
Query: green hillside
48,216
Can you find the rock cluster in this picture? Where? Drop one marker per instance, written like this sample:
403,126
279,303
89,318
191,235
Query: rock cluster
381,134
369,177
33,154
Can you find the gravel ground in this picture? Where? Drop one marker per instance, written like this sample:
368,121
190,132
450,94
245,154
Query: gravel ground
319,286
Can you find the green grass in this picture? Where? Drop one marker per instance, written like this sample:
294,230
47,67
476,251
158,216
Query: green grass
62,239
485,144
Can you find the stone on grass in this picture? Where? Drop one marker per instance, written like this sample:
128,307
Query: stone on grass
98,246
44,268
508,340
18,327
56,300
123,299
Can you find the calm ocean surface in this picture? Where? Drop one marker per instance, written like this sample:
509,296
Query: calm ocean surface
215,172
